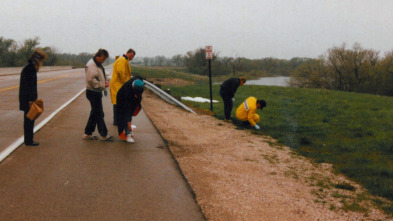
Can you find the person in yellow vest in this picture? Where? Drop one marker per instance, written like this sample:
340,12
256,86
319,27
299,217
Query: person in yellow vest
246,111
121,74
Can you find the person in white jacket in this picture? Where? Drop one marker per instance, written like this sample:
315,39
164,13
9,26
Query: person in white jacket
96,83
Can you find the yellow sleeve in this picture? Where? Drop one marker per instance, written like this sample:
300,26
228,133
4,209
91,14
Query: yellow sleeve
250,116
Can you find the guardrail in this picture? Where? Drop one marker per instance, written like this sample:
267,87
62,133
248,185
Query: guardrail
168,98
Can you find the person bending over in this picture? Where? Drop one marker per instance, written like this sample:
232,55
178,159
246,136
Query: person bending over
227,92
129,99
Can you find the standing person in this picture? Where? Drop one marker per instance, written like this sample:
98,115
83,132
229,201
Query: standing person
227,92
246,111
129,100
120,75
96,83
28,93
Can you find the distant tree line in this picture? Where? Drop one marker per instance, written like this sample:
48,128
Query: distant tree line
161,61
357,69
195,62
13,54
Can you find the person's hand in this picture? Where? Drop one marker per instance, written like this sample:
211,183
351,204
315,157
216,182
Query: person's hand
106,83
257,127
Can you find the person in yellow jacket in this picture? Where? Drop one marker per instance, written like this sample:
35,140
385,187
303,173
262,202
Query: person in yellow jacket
246,111
121,74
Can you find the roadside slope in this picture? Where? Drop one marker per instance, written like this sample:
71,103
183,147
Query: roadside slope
237,175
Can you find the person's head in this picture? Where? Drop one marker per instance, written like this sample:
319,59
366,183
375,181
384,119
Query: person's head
130,54
242,80
137,87
261,104
38,56
101,55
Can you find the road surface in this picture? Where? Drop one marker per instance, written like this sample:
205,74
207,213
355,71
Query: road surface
68,178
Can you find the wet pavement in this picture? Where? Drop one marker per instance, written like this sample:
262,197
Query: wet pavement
68,178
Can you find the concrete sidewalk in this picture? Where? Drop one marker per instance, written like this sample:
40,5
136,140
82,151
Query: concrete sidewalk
68,178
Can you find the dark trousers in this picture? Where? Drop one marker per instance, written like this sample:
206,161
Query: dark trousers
228,105
123,117
114,115
28,126
96,117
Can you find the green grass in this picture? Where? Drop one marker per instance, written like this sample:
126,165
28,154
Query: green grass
163,72
352,131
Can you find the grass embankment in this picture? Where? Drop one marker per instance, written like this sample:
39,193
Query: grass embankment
352,131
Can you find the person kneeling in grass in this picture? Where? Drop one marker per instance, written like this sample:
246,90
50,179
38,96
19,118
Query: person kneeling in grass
129,98
246,111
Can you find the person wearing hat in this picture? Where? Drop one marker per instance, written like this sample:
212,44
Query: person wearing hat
28,92
227,92
96,83
121,74
129,99
246,111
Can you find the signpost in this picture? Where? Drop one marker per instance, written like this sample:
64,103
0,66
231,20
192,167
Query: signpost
209,56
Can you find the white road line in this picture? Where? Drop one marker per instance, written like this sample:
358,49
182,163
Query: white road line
20,140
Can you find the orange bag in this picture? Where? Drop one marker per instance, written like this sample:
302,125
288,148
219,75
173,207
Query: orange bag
36,109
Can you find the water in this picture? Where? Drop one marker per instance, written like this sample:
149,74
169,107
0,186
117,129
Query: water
270,81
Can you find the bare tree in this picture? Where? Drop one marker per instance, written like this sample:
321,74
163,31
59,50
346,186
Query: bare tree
234,63
53,55
27,48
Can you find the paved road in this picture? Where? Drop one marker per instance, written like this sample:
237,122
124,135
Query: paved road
55,88
68,178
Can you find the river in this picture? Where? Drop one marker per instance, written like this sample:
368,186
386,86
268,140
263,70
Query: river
270,81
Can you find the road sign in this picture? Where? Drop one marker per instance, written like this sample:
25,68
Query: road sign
209,55
209,52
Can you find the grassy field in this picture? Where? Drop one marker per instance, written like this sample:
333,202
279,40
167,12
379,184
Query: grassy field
352,131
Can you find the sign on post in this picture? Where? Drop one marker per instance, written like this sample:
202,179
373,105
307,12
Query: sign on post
209,52
209,56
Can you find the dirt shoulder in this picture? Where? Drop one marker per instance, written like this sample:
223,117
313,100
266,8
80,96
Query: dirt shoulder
237,175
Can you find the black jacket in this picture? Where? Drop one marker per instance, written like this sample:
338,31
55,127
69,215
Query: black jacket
28,86
126,101
229,87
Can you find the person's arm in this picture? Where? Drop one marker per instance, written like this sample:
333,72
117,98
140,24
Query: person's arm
250,116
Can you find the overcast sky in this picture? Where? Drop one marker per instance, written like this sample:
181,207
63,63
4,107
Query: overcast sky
248,28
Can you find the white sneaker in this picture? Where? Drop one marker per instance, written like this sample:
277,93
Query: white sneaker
89,137
106,138
129,139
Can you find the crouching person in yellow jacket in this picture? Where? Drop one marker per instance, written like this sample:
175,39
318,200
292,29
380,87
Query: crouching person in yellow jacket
246,111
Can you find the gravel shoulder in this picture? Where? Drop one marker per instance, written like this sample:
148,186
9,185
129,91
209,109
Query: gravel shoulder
238,175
